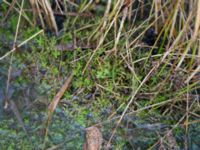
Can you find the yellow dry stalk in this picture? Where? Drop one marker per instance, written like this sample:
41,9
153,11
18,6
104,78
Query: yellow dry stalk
34,8
194,36
157,10
49,15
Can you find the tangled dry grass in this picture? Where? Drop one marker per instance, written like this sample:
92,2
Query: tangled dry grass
158,43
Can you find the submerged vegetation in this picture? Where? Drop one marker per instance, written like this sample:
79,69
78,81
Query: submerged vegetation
130,68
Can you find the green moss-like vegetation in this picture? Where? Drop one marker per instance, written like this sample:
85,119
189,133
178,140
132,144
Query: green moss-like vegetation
107,76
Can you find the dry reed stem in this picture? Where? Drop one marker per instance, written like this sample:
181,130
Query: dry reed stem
11,102
50,16
21,44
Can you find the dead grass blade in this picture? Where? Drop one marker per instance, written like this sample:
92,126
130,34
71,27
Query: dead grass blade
125,13
21,44
130,102
57,97
50,16
17,10
43,8
54,104
33,5
11,102
193,74
197,22
18,115
11,59
194,36
9,10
